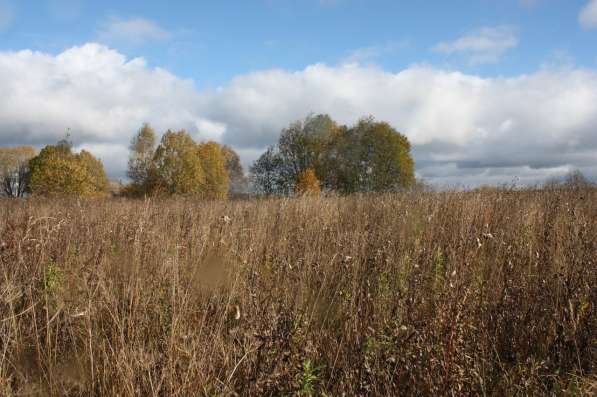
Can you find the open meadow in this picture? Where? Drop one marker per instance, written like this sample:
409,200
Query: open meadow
457,293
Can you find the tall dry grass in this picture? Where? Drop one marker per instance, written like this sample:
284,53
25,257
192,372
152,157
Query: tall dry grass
488,293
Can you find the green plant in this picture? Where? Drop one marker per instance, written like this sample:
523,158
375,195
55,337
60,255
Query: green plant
53,279
309,379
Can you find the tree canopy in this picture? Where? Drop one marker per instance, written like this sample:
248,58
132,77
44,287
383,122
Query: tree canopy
370,156
142,149
213,162
56,170
179,165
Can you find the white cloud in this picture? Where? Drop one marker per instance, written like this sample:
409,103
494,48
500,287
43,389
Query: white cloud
486,45
588,15
463,128
539,121
132,31
96,92
6,15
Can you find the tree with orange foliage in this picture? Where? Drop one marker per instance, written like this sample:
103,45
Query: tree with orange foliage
308,184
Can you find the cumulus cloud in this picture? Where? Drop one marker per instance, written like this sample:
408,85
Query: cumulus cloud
588,15
93,90
464,128
544,121
132,31
486,45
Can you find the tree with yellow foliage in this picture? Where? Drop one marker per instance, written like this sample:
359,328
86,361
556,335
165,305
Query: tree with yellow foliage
14,170
95,168
177,167
56,170
308,184
214,166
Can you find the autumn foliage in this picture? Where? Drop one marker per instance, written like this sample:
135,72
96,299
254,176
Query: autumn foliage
370,156
178,165
308,184
58,171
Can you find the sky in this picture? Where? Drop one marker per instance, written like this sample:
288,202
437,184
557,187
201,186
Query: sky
487,91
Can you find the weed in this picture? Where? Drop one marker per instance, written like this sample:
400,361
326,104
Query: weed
309,379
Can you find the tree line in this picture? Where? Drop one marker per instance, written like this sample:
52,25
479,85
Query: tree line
174,165
311,155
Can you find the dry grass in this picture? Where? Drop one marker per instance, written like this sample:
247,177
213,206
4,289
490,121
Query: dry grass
488,293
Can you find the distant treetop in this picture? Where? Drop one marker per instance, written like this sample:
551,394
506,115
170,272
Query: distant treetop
370,156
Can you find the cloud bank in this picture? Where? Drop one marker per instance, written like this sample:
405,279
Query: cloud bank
464,128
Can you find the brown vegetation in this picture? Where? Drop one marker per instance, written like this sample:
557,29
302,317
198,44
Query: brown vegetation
308,184
478,293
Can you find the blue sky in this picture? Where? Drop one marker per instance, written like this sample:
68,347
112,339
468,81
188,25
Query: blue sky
238,71
213,41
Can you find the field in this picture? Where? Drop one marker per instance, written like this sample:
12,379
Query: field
461,293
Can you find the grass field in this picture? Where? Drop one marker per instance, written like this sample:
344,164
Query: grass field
473,293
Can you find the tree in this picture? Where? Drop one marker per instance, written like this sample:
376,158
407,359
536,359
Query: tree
95,168
371,156
574,179
266,175
56,170
177,167
375,158
213,162
142,150
305,144
308,184
238,180
14,170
